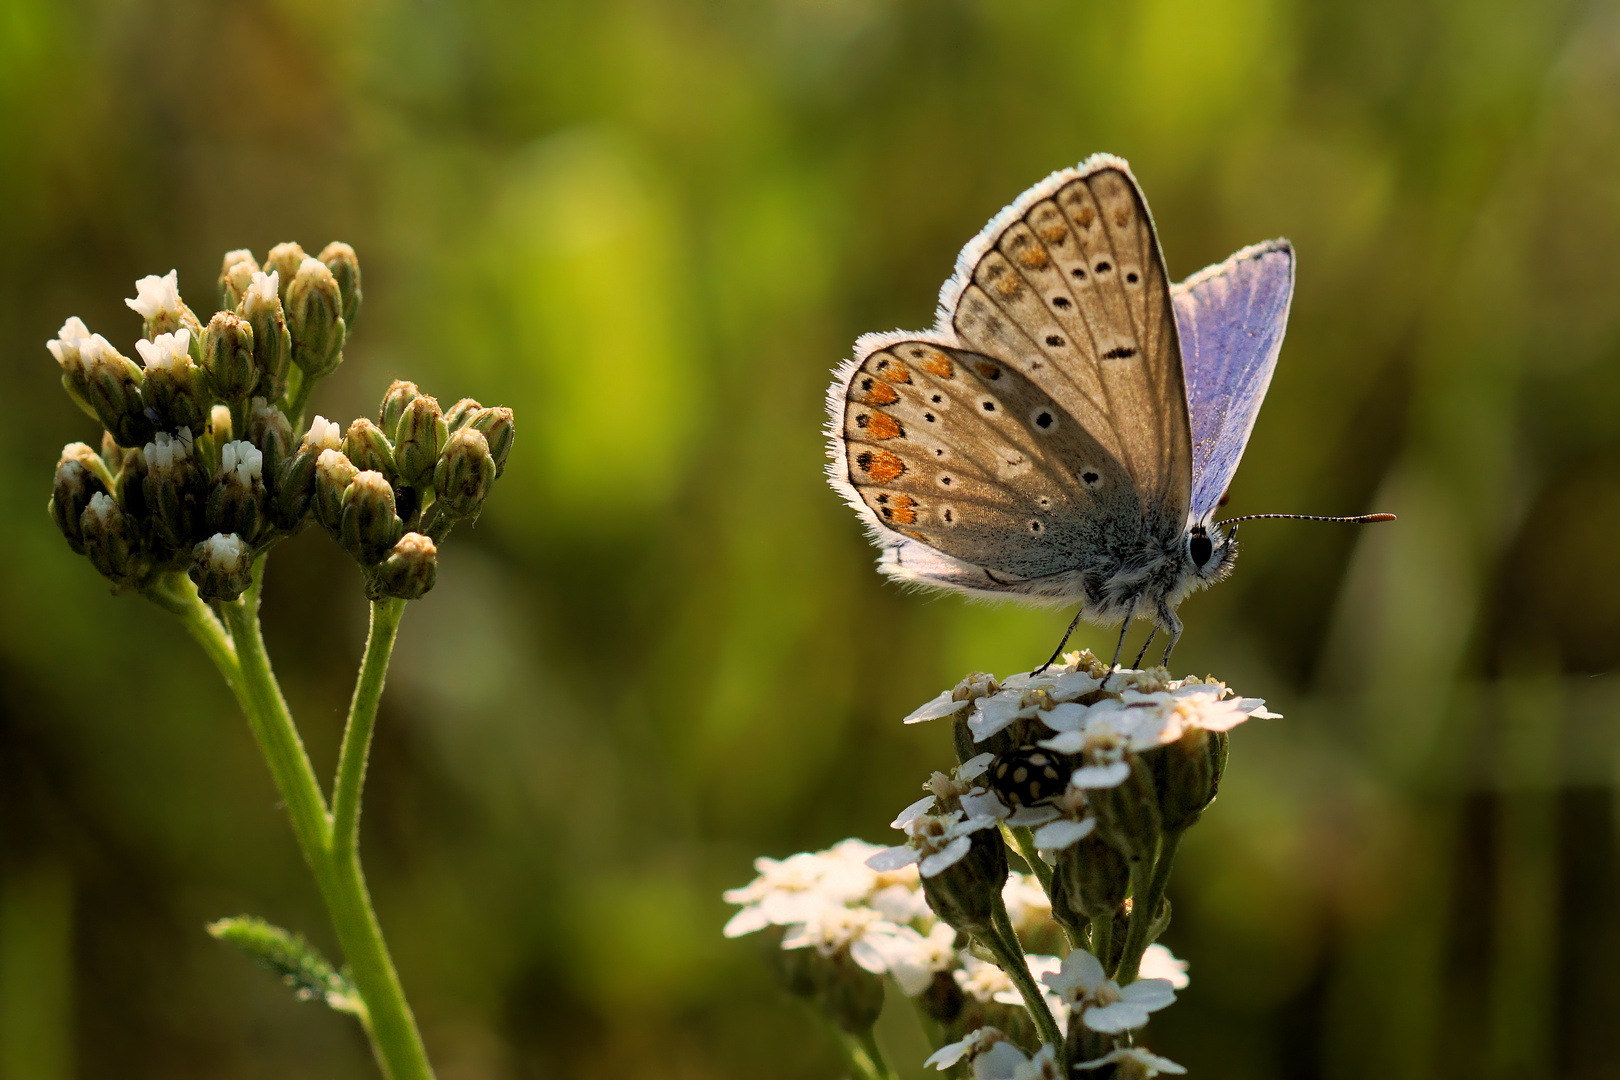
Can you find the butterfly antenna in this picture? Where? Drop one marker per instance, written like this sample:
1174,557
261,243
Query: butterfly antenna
1360,519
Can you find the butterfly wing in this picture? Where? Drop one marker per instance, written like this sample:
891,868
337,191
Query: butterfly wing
1044,420
1231,318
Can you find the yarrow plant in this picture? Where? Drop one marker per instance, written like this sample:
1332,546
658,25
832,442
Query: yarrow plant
1087,777
200,473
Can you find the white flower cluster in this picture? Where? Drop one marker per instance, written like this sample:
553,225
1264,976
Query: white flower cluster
833,901
156,297
166,351
990,1055
242,462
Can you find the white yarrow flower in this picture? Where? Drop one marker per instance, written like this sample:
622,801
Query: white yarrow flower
1158,962
912,958
65,346
223,551
795,889
1147,1065
1105,1005
324,435
166,352
157,296
934,842
261,292
241,462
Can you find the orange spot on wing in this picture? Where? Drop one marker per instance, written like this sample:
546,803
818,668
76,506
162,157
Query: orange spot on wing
986,369
1122,215
893,371
1085,216
1009,286
872,392
879,465
899,509
883,426
1034,257
937,364
1053,232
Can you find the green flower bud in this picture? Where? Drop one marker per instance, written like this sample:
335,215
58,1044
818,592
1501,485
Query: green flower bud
315,316
228,357
272,342
422,435
464,474
109,538
235,275
966,893
497,428
400,394
268,429
1188,774
409,571
368,448
461,413
1095,878
112,455
75,380
368,527
295,479
333,475
71,491
1128,815
174,490
129,487
157,301
847,993
113,389
174,387
340,259
221,567
99,466
284,261
236,502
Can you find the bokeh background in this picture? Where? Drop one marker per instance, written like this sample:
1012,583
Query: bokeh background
651,228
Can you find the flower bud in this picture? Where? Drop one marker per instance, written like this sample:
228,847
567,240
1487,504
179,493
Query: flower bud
368,448
272,343
108,537
368,527
129,487
111,453
228,357
496,426
422,435
1128,815
174,492
464,474
340,259
461,413
315,317
74,485
157,301
113,389
1188,774
966,893
400,394
283,261
409,571
268,429
235,275
848,994
221,567
236,500
174,388
295,479
333,475
65,347
1095,878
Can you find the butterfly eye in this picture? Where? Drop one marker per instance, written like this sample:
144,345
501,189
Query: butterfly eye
1201,548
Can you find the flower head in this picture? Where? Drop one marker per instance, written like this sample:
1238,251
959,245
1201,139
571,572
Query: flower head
166,351
157,299
1135,1063
1103,1004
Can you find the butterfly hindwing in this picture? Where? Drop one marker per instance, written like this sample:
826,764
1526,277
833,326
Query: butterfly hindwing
1231,317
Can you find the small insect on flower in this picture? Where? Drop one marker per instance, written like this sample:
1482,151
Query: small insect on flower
1028,775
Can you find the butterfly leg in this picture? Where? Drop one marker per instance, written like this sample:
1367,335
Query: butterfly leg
1172,626
1066,635
1119,647
1151,632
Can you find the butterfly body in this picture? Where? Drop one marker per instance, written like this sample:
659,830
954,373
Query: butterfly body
1067,429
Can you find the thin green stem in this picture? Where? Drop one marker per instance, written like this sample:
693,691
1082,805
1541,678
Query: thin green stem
1145,908
1003,943
178,596
1102,937
1023,841
863,1054
299,389
394,1035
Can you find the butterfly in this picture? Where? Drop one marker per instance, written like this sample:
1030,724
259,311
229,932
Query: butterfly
1068,429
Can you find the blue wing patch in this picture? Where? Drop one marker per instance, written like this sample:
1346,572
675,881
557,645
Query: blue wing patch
1231,317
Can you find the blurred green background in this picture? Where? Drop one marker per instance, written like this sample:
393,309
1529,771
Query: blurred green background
652,228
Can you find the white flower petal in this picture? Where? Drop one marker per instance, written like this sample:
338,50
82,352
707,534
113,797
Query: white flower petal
912,812
1158,962
1068,742
1061,834
746,921
981,803
974,767
1080,971
1114,1018
868,957
1101,776
1000,1062
1150,1065
1065,716
945,858
1150,994
939,707
893,858
993,714
1027,816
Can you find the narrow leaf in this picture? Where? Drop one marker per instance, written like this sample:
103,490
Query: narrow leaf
299,964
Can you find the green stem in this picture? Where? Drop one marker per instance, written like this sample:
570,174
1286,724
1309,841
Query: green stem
1023,840
1102,937
332,858
178,596
1145,908
1003,943
863,1054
